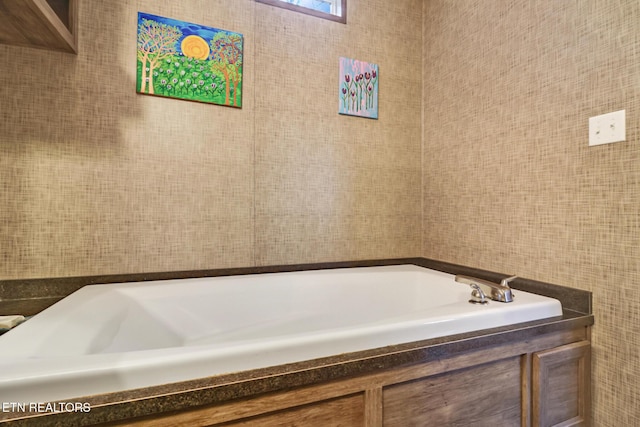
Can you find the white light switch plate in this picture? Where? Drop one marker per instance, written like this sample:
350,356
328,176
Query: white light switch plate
607,128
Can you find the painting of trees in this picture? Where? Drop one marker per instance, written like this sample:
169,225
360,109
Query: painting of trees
156,41
188,61
226,61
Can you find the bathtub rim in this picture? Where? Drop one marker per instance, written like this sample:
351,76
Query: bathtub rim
30,296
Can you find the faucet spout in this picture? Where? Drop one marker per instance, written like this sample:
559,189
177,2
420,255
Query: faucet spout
496,291
505,282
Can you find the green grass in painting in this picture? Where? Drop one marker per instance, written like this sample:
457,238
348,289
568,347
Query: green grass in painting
188,78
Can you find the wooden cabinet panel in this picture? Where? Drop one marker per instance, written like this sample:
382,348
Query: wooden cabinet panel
519,384
484,395
341,412
39,23
561,386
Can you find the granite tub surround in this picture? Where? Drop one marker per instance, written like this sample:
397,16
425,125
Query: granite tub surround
30,296
228,388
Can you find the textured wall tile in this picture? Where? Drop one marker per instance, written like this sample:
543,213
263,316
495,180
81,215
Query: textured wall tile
510,183
97,179
332,187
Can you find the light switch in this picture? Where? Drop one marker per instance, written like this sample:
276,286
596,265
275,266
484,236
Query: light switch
607,128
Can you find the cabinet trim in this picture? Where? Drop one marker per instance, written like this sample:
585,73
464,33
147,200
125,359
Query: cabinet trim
373,407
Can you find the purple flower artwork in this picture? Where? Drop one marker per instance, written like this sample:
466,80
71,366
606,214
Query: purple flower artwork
358,91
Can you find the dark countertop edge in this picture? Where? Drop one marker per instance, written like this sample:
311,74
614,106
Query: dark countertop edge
191,394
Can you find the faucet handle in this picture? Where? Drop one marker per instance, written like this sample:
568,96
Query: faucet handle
477,295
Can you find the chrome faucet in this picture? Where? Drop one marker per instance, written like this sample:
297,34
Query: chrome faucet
483,289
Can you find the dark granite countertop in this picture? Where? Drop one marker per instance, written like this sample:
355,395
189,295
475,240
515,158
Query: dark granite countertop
39,293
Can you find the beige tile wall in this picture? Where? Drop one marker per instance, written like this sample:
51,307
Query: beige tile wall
510,183
327,186
96,179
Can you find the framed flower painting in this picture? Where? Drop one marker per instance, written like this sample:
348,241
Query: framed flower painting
358,91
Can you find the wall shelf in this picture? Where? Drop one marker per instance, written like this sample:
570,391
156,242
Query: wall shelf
43,24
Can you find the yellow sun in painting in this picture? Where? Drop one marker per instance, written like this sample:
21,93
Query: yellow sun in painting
195,47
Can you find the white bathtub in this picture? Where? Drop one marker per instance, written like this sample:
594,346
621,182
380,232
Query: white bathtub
115,337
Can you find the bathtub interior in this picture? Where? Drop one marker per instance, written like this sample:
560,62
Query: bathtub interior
113,337
223,311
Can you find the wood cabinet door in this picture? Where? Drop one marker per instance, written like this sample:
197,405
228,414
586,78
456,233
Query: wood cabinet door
561,386
486,395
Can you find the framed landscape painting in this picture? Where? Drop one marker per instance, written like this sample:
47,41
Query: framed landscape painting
188,61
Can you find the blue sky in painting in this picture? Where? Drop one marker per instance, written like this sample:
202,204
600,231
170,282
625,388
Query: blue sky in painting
186,28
